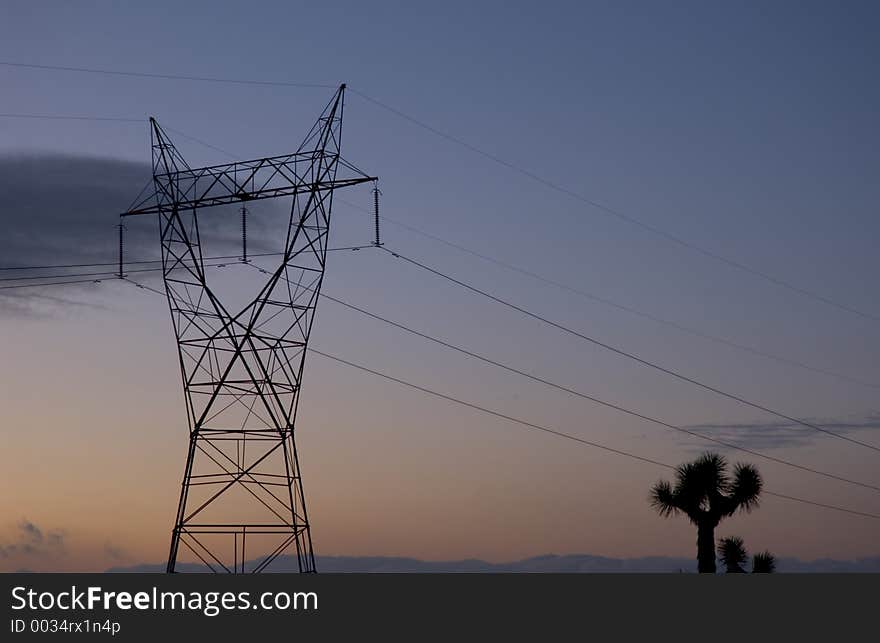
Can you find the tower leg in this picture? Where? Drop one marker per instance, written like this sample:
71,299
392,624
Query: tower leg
237,473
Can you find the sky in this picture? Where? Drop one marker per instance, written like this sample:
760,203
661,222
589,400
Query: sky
747,131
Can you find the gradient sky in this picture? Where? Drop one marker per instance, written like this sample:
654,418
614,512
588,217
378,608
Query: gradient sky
749,130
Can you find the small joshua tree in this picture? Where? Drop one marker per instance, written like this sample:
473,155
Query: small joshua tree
763,563
733,555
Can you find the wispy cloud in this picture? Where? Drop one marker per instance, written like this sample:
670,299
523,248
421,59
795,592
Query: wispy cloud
31,304
115,553
776,435
29,540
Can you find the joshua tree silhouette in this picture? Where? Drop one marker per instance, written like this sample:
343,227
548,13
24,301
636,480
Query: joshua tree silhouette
763,563
706,493
733,555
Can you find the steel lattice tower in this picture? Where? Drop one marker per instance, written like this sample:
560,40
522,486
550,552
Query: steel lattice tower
242,369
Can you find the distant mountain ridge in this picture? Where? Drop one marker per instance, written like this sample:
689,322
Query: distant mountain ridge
571,563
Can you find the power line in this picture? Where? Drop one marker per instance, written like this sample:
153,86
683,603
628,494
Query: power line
613,304
503,416
77,265
561,434
98,277
495,159
482,409
544,429
628,355
144,287
63,117
55,283
199,141
510,369
620,215
587,295
105,273
204,79
101,276
591,398
480,357
144,261
820,504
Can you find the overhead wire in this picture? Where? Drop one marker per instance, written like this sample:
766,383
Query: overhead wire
626,308
628,355
140,262
135,74
614,212
545,429
619,214
549,184
54,283
567,436
629,309
591,398
596,400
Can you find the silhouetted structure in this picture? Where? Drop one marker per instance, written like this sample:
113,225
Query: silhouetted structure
705,493
242,369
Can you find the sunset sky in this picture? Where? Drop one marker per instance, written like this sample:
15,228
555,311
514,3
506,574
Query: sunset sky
748,131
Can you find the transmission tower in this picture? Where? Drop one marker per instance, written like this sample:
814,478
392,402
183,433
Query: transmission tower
242,368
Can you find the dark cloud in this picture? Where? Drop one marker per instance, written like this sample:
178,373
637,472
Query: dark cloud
60,209
30,540
775,435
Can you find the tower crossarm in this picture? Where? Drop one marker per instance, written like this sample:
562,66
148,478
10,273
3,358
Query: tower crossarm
265,178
